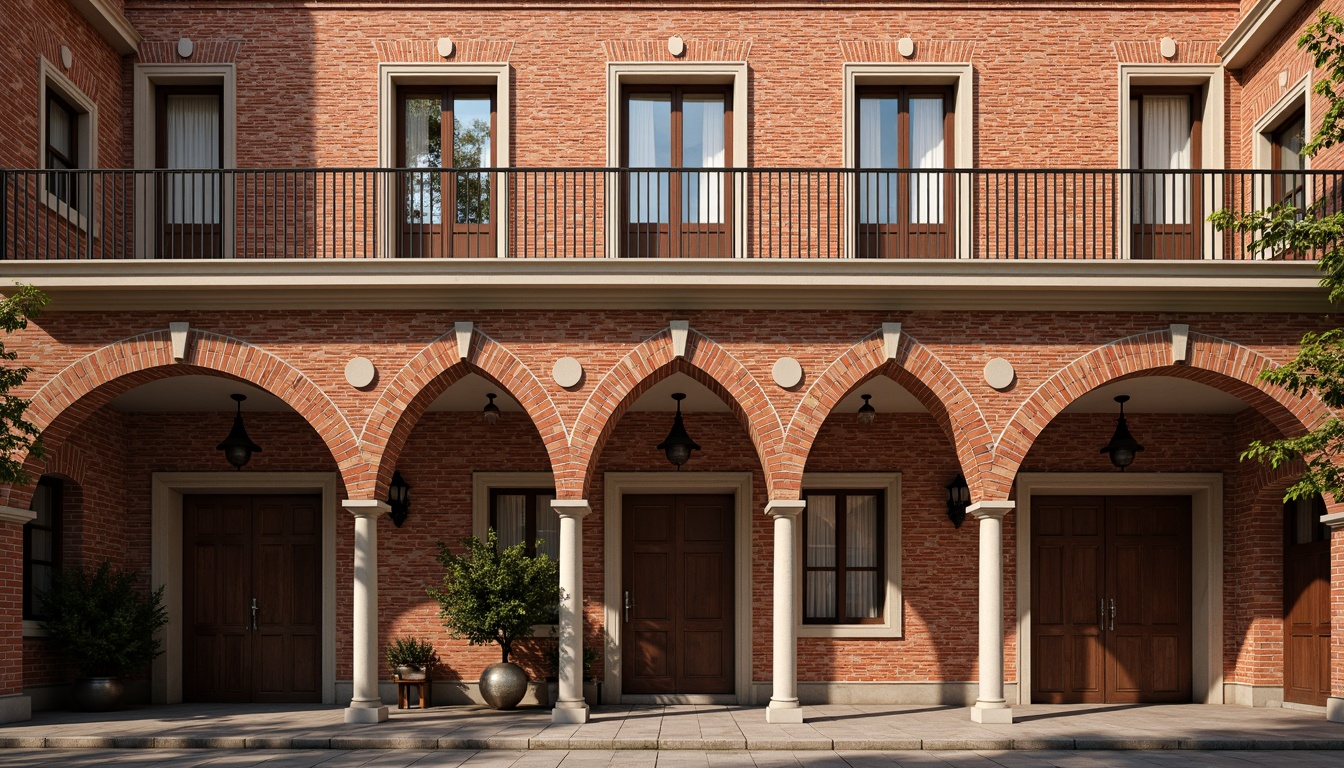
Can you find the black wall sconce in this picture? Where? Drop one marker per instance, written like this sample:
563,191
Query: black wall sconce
678,445
1123,447
491,411
866,411
238,447
958,499
399,499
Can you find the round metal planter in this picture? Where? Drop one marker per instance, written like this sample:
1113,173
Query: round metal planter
503,685
97,694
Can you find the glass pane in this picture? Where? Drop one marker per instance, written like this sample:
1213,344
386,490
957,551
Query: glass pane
649,142
820,600
861,532
1289,140
548,527
878,122
42,545
702,146
60,128
510,518
41,582
422,140
926,151
42,505
1164,198
820,531
1304,524
862,600
471,149
192,127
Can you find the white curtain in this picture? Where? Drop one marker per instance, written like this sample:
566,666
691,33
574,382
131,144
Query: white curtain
877,149
820,587
862,600
1165,134
548,528
510,518
649,191
926,151
192,141
702,147
422,123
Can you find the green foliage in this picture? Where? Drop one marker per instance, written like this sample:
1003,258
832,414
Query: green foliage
1319,365
411,652
16,433
102,621
494,595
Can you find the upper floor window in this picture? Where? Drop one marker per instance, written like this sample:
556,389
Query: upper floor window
62,147
447,214
844,552
903,212
1286,143
42,545
189,136
1164,135
677,214
525,515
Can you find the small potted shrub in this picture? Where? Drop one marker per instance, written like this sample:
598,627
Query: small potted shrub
105,624
411,658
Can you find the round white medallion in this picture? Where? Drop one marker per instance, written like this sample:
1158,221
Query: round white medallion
185,47
676,46
1167,47
359,372
788,372
999,373
906,47
567,372
446,47
67,58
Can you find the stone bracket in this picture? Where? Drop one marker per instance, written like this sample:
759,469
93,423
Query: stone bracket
463,331
1180,343
178,333
891,337
681,329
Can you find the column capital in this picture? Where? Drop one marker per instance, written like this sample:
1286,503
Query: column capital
575,508
16,515
785,507
990,509
1331,521
371,508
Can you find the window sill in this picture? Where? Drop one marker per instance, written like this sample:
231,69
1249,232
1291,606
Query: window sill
33,629
842,631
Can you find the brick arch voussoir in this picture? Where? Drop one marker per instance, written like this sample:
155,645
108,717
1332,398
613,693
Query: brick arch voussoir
1213,361
651,361
429,374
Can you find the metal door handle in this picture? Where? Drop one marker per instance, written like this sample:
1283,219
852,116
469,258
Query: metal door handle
1112,614
255,610
628,605
1103,615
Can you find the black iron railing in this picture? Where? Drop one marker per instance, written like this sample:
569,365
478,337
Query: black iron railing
533,213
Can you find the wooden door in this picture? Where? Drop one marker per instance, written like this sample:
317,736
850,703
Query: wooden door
1306,603
678,592
240,551
1111,599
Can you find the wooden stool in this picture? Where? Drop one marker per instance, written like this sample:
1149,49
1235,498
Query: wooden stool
423,688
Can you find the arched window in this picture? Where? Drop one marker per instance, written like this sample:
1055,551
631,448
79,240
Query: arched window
42,544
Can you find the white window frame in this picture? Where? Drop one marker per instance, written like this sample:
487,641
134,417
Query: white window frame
961,77
147,78
392,76
1209,78
890,484
50,78
1296,96
620,74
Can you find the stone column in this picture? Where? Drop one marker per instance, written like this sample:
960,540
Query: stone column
367,704
784,706
1334,704
14,706
570,706
990,706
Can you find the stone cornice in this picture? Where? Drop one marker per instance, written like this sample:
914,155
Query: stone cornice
109,22
1193,286
1260,23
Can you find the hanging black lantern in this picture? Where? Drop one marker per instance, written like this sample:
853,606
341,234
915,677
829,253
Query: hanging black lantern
237,447
399,499
866,411
958,499
491,411
678,444
1123,446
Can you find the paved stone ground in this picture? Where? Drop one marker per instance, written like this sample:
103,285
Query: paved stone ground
124,758
697,728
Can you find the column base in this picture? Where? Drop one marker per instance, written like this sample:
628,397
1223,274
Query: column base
992,713
570,713
15,708
784,712
1334,709
355,715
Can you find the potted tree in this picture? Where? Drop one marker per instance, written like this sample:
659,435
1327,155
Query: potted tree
494,595
105,624
411,658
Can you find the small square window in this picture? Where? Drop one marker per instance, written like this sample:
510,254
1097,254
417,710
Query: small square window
844,552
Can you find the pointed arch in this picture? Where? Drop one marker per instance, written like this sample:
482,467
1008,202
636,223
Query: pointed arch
916,368
434,369
648,363
1215,361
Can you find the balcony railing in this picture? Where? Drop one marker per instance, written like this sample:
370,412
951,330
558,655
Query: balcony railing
571,213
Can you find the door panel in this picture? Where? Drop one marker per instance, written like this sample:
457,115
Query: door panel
1066,587
1306,604
678,574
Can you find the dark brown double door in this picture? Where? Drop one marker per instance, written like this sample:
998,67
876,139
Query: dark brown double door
678,595
1110,602
252,598
1306,603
